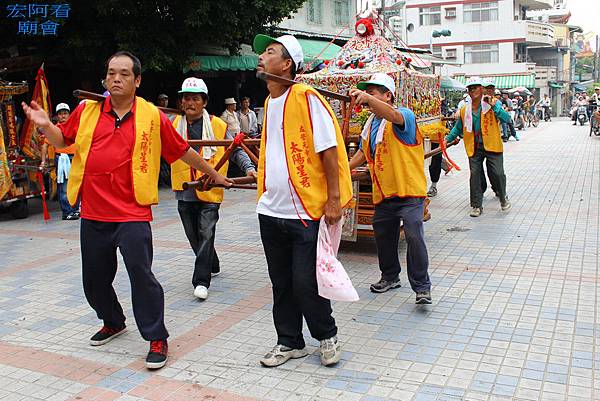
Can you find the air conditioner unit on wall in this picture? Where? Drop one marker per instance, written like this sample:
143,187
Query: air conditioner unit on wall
450,12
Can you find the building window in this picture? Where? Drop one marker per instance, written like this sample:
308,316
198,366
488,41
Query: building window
430,16
342,12
313,11
437,52
479,54
450,54
479,12
450,12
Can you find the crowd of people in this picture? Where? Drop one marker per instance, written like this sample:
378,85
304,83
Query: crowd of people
113,150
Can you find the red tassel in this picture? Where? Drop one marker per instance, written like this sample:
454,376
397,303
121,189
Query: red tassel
445,154
40,178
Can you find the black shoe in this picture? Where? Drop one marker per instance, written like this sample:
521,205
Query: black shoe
106,334
65,216
385,285
157,356
72,216
423,298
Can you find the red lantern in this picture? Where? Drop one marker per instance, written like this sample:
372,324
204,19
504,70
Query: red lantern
326,62
409,60
340,63
361,64
398,61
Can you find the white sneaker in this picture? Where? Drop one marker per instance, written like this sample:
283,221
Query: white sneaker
476,212
201,292
330,351
280,354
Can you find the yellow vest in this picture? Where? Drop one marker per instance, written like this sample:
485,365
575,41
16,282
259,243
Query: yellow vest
145,159
490,132
398,168
181,172
304,166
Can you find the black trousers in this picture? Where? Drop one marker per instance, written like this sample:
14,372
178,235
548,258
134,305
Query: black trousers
495,171
291,252
99,243
435,168
199,223
386,225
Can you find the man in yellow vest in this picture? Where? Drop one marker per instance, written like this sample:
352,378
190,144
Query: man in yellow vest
479,126
62,164
393,148
118,143
199,210
303,175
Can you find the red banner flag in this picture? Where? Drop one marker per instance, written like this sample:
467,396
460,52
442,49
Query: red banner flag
11,125
31,139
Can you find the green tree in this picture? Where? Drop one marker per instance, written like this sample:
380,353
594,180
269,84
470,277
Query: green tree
583,66
163,33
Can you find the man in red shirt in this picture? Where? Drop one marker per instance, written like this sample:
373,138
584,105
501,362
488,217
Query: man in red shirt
115,173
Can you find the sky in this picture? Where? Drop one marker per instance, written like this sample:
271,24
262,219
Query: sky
585,13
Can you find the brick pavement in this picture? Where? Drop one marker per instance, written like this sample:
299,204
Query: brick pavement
514,313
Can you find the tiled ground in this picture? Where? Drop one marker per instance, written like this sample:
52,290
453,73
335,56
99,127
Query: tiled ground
514,314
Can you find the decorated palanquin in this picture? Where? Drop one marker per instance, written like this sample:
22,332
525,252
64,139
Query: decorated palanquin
362,56
20,177
8,133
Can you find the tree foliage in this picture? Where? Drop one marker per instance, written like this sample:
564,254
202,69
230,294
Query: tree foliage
163,33
584,65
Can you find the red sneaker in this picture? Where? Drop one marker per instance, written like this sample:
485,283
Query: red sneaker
106,334
157,356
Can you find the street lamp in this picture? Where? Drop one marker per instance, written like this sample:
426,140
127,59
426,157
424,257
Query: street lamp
437,34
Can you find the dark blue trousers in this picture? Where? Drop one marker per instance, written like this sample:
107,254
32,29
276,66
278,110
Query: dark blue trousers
386,224
291,251
61,190
99,243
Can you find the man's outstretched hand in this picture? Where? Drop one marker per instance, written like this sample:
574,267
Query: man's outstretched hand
36,114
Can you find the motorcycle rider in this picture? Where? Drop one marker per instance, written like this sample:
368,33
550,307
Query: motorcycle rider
545,103
581,101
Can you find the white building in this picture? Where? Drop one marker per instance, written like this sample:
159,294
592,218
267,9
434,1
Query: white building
490,38
323,18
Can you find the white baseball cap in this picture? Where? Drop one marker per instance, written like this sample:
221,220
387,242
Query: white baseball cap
291,44
380,79
475,81
62,106
488,82
193,85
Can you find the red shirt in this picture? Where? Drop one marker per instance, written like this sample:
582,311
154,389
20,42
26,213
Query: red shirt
107,188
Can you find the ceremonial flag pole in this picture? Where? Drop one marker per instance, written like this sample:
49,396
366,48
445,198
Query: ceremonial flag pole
31,139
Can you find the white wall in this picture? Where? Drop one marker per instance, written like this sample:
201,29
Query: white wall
504,29
327,27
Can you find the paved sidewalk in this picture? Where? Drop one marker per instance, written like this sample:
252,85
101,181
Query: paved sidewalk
514,314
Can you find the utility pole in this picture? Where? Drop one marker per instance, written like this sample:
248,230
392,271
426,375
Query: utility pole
596,74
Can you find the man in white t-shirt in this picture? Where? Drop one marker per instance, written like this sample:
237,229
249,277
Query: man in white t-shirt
303,174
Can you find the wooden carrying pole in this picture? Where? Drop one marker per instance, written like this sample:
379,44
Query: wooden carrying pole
364,175
240,182
81,94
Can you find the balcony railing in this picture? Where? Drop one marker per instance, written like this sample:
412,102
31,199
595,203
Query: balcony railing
538,33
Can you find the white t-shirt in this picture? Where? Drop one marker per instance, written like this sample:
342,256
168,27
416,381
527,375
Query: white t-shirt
276,201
